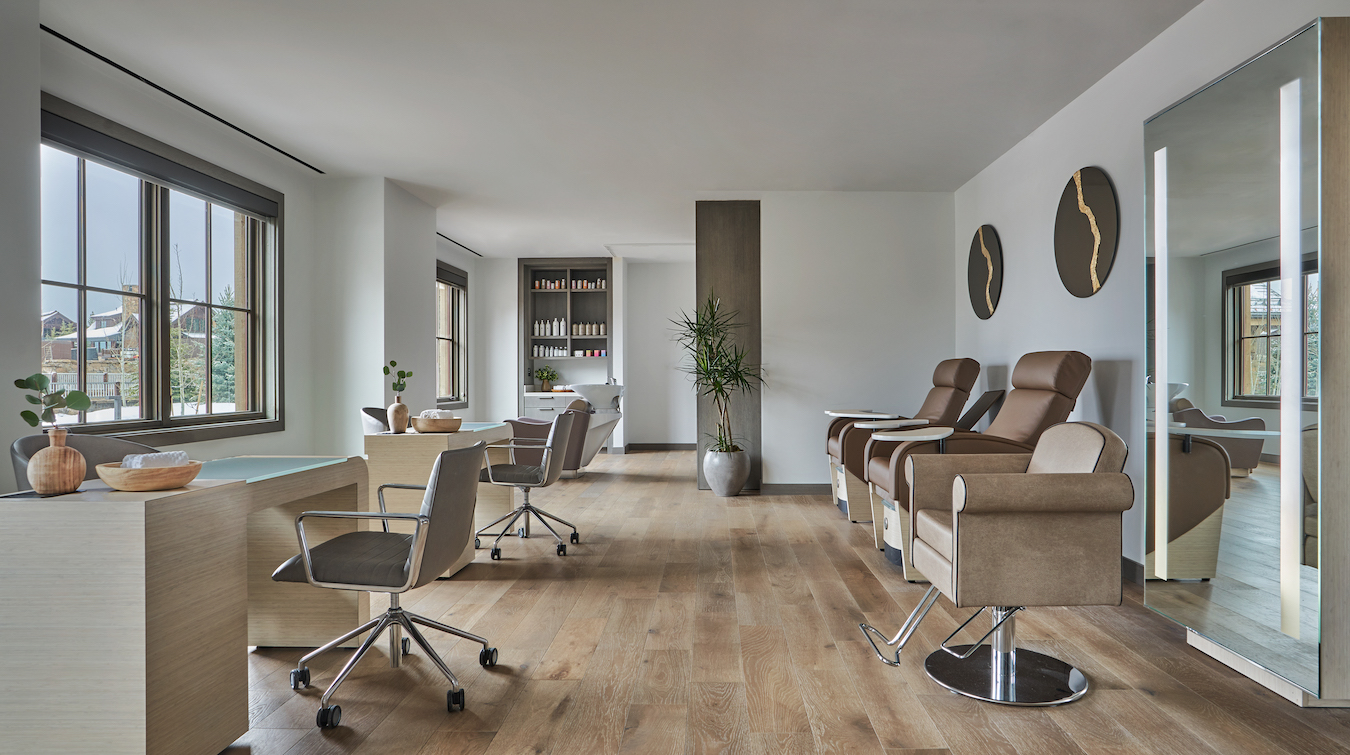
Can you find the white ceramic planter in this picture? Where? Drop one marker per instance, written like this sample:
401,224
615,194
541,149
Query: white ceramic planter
726,471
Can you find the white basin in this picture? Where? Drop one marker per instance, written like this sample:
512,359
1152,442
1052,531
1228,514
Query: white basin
602,397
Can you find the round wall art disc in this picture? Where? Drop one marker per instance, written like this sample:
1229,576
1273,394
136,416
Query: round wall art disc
984,271
1086,230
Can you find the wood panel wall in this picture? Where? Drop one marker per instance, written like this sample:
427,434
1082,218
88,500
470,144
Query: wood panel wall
726,261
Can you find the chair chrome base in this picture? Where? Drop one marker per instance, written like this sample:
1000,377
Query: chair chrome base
525,511
394,619
1028,678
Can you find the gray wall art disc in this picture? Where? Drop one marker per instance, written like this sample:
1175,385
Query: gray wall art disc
984,271
1087,228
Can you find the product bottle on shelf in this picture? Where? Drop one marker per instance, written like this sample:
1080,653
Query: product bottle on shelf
602,328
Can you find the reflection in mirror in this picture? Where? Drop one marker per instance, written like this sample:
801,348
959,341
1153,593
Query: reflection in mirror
1231,546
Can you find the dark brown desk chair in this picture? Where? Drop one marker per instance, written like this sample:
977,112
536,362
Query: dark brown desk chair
1045,384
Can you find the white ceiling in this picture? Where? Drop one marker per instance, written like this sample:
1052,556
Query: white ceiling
567,127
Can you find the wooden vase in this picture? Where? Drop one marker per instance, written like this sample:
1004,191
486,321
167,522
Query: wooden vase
398,415
58,468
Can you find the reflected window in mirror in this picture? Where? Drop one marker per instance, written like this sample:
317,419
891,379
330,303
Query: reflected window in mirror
1253,324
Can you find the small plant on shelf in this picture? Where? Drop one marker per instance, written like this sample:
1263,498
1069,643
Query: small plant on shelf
400,383
48,400
546,375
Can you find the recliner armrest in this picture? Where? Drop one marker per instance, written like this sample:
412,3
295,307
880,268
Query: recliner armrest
930,475
1081,493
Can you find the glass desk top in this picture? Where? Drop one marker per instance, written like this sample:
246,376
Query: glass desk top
259,468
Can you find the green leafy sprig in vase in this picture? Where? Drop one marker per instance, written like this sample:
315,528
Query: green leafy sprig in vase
546,376
398,411
58,468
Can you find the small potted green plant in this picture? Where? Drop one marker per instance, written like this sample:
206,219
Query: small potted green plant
718,368
546,375
57,468
398,411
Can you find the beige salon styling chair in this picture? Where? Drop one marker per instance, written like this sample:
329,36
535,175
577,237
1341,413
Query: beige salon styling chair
1045,384
1199,483
1310,440
527,477
1008,531
846,440
393,562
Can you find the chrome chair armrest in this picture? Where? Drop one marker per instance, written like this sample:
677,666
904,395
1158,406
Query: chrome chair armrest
379,493
419,521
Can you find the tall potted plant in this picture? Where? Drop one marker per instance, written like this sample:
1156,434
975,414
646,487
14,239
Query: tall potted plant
718,368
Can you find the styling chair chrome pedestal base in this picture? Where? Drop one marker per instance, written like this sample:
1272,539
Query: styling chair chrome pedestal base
993,673
1000,673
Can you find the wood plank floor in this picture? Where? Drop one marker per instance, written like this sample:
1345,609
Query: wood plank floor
685,623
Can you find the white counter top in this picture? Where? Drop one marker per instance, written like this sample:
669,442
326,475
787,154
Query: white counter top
569,394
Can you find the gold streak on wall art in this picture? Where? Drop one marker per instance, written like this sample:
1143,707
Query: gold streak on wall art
989,262
1096,234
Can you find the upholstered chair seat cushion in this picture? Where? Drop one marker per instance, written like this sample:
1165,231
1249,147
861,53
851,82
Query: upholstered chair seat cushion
356,558
522,474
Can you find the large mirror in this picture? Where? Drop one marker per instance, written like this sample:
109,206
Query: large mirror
1233,360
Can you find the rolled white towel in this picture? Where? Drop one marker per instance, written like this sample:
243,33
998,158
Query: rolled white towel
147,461
436,414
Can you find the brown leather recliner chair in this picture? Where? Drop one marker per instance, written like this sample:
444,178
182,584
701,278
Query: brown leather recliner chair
846,443
527,427
1008,531
1244,454
1045,384
1198,486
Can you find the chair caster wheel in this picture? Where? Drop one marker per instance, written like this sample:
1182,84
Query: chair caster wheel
454,697
522,533
477,543
487,657
299,678
496,554
562,549
329,717
575,538
407,646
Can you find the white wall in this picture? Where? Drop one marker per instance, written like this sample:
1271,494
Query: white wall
659,403
348,349
855,288
496,361
20,347
410,294
1019,191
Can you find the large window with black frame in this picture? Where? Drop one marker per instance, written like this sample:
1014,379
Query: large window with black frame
1253,306
452,295
150,297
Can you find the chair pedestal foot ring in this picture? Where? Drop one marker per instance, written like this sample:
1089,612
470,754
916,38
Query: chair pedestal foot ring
1022,677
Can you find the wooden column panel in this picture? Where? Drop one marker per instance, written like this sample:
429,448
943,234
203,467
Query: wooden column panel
726,262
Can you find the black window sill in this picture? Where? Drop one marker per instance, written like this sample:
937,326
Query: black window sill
1272,404
175,435
452,404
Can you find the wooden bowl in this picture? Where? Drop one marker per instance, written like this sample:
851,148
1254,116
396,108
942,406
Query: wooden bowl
436,425
141,480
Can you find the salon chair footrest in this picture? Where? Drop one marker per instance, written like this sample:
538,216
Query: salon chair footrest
1035,679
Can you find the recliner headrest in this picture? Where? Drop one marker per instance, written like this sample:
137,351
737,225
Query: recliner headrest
1064,372
956,373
